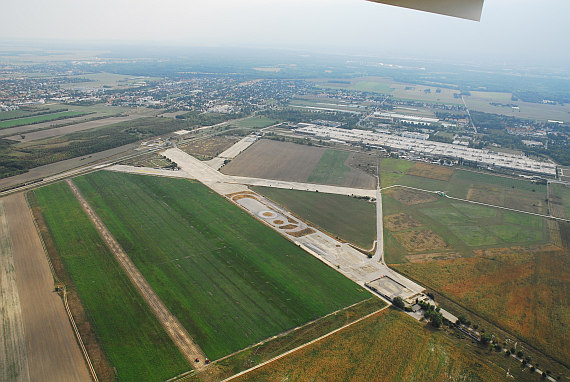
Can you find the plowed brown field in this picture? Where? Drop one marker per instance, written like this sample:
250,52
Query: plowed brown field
53,353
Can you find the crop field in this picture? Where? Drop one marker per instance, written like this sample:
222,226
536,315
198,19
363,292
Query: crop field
351,219
485,188
395,89
134,341
30,112
434,224
39,118
208,148
228,278
508,267
389,346
331,168
298,163
560,200
106,80
257,354
481,101
45,322
13,350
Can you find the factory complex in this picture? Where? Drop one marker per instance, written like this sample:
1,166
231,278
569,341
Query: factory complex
421,147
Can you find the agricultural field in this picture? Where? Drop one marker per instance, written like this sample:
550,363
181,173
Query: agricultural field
13,350
395,89
520,289
481,101
419,223
509,267
389,346
39,118
350,219
465,184
45,323
298,163
209,148
106,80
31,111
228,278
259,353
560,200
134,341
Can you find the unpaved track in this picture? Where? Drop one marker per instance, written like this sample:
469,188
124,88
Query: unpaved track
175,330
13,351
53,353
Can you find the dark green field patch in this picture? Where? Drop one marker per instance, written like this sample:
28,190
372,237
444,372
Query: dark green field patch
354,220
474,236
331,168
40,118
133,339
229,279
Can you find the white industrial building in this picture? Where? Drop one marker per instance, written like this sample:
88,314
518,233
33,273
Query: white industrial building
480,157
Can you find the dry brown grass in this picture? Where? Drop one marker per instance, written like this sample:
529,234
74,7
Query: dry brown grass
209,148
303,232
386,347
400,222
288,226
430,171
426,257
411,197
521,290
417,241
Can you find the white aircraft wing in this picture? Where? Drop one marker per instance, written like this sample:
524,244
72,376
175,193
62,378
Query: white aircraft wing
466,9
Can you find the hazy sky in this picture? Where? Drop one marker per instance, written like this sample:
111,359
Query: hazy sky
510,30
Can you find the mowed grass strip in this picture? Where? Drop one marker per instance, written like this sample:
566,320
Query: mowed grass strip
40,118
132,337
228,278
389,346
352,219
331,168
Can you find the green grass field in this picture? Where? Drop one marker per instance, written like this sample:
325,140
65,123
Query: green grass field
39,118
464,227
228,278
29,112
131,336
562,194
392,170
486,188
387,347
331,168
351,219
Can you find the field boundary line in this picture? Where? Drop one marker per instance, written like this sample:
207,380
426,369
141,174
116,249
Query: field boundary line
64,297
180,337
78,336
305,345
292,330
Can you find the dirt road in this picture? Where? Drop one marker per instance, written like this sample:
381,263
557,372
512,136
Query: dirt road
175,330
53,352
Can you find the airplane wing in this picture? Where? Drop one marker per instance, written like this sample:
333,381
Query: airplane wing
466,9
